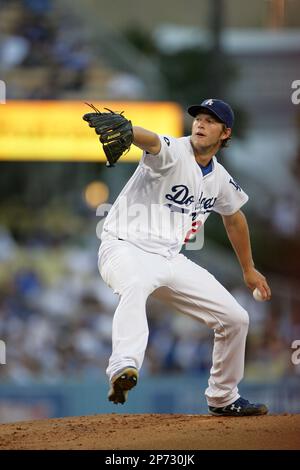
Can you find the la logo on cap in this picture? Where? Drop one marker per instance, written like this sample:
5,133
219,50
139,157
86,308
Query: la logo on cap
209,102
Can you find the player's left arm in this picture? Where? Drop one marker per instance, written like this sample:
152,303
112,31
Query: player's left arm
146,140
238,233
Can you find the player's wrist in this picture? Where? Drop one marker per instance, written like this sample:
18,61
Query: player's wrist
247,268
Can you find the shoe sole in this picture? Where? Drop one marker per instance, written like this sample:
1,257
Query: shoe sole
121,385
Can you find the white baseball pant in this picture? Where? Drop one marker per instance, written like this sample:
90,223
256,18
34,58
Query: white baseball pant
134,274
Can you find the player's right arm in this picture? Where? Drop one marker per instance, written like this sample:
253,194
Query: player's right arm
146,140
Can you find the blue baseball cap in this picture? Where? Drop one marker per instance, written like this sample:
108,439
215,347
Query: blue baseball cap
219,108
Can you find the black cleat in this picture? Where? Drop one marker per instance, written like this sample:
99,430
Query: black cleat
121,383
240,407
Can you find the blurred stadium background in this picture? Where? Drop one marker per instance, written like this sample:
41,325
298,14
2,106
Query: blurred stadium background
55,311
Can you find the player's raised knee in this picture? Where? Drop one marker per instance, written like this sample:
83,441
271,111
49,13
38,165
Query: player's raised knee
239,318
243,318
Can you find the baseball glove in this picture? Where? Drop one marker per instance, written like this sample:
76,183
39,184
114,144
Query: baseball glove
115,131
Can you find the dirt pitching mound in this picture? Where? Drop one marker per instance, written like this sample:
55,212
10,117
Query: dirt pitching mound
153,431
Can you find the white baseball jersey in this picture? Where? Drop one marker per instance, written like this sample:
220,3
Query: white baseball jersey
167,195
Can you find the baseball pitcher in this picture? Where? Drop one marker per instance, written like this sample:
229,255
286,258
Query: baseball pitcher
176,186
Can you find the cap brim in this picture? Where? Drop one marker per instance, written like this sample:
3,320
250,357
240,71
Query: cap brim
196,109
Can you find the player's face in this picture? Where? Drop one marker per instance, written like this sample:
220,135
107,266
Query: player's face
208,132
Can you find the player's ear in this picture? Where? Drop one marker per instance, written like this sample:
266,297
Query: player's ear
226,133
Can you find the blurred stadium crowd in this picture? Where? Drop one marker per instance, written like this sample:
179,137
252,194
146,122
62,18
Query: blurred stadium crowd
55,311
43,54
